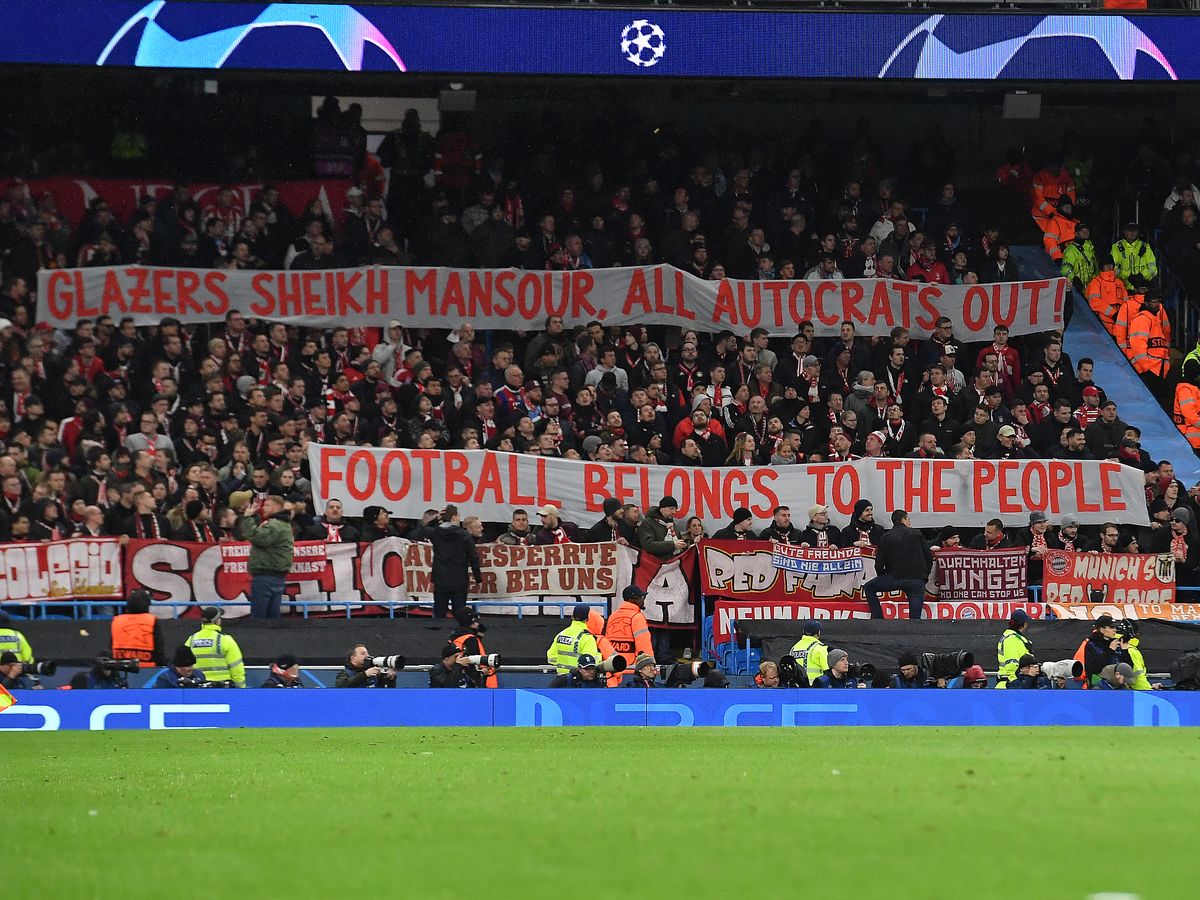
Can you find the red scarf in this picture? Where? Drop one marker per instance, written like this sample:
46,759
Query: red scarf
141,526
333,533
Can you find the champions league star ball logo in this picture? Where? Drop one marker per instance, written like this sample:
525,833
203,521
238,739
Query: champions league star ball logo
347,30
1118,39
643,43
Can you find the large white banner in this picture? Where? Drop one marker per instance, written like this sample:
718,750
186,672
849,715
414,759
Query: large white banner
491,484
510,298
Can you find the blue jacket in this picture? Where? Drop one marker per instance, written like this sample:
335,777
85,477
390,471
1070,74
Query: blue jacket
1038,682
828,681
919,681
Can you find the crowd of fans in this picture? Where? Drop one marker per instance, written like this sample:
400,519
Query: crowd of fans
111,429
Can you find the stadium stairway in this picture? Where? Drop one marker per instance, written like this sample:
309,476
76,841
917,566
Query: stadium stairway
1085,336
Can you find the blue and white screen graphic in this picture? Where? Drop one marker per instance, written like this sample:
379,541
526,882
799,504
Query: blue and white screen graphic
654,43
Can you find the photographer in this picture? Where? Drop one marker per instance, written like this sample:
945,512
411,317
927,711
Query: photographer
910,675
468,640
645,672
454,554
12,673
13,641
1029,676
450,672
838,674
182,672
1102,648
974,677
768,675
584,675
357,674
1115,678
285,673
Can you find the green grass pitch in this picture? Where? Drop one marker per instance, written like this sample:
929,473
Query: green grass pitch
604,812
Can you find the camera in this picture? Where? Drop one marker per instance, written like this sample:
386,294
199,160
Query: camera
791,673
491,660
391,663
683,674
108,664
612,665
109,672
862,671
190,681
946,665
1063,668
39,667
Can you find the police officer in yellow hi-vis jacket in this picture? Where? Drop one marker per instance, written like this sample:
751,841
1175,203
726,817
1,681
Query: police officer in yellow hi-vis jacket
14,642
572,642
810,652
1013,645
217,654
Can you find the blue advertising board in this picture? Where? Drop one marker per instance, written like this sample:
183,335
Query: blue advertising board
655,42
188,709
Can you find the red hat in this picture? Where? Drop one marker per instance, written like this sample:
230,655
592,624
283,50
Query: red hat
1091,392
974,673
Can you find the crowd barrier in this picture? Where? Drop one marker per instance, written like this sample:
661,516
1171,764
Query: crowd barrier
191,709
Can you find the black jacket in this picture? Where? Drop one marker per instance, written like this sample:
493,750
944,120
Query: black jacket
790,535
572,680
812,536
453,554
903,554
1038,682
455,677
728,534
1097,654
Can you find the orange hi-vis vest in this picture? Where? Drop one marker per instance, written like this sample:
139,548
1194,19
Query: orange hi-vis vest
1080,655
629,632
6,699
490,680
133,638
1047,192
595,626
1056,231
1105,294
1120,332
1149,343
1187,412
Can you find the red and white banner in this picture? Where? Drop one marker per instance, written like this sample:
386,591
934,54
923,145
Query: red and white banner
726,612
308,560
73,194
999,576
509,298
1123,578
492,484
1167,612
77,569
396,570
745,570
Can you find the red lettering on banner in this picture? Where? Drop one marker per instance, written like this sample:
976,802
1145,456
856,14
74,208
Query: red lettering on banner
582,283
725,307
942,497
452,297
775,291
416,284
385,476
845,489
426,457
622,489
1035,289
799,289
527,307
637,294
370,477
186,285
508,301
677,484
825,287
929,314
1058,476
888,467
60,304
377,292
1060,294
540,468
558,308
763,482
328,474
261,284
112,298
821,472
985,474
138,291
1110,493
916,485
345,283
750,315
975,307
310,288
489,480
881,302
852,296
479,293
595,485
458,485
707,501
1031,472
287,296
514,482
1005,318
1008,492
1082,504
214,283
680,306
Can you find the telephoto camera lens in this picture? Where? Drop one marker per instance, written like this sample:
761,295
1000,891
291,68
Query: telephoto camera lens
387,662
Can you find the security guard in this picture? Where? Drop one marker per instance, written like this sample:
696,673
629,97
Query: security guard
1013,645
1130,631
627,628
810,652
217,654
1079,263
14,642
468,639
607,650
1106,294
573,641
1150,344
1133,256
1187,402
136,633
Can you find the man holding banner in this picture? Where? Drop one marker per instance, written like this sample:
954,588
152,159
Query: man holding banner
904,559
